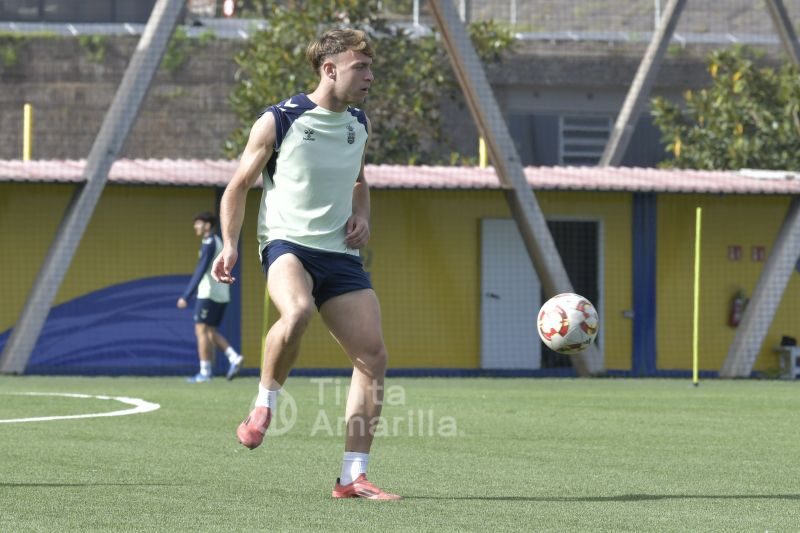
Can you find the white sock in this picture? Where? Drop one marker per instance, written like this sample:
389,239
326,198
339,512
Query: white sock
231,354
353,465
205,368
267,398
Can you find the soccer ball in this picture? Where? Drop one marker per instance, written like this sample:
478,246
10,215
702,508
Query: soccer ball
568,323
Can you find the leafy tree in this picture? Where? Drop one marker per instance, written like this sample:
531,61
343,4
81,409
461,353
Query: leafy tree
412,74
748,118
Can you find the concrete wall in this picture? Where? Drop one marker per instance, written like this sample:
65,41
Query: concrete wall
115,312
185,115
747,222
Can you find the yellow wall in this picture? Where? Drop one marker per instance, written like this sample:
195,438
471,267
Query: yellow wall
424,258
253,285
29,216
136,232
727,220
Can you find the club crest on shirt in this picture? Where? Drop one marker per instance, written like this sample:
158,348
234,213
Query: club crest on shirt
351,134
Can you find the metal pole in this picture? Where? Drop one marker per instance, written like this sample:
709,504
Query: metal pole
109,141
657,16
513,13
465,11
641,85
783,24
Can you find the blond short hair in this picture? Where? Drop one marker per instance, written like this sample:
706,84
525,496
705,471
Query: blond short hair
334,42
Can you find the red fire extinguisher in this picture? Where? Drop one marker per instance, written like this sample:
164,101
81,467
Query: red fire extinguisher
738,304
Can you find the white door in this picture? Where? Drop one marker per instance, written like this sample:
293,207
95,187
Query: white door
510,299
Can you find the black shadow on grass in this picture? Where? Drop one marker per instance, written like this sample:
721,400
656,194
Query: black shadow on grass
57,485
619,498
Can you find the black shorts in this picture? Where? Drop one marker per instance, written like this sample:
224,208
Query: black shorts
332,273
208,312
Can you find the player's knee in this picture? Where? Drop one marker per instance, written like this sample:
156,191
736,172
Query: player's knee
376,359
297,319
200,329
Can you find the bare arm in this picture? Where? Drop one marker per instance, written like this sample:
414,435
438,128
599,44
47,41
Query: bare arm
358,223
231,211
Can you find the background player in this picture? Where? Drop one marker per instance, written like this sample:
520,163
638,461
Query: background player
212,298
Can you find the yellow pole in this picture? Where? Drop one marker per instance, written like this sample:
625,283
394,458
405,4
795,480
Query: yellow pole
27,128
483,157
696,312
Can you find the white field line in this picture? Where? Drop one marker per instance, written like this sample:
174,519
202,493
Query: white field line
139,406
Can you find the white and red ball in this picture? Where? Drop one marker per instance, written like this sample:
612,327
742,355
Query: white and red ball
568,323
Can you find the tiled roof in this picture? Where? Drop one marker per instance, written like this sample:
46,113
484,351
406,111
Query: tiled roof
216,173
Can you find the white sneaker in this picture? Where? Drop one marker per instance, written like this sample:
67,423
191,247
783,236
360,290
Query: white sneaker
199,378
236,364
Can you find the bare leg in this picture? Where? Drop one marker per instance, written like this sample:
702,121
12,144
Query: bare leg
205,348
289,288
217,339
354,319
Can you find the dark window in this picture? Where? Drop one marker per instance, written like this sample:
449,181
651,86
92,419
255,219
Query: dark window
576,242
133,11
645,148
20,10
78,11
536,138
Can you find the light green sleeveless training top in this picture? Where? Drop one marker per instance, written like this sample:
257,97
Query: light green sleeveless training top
309,180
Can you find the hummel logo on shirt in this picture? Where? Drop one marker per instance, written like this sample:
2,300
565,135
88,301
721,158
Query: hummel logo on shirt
308,134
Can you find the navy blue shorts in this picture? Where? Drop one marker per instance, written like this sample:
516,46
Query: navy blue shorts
332,273
208,312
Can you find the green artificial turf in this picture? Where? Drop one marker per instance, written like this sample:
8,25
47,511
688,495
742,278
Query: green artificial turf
468,455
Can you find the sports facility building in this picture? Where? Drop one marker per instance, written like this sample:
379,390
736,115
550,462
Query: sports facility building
458,292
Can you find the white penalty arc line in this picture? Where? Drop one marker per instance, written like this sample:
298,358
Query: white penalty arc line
139,406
